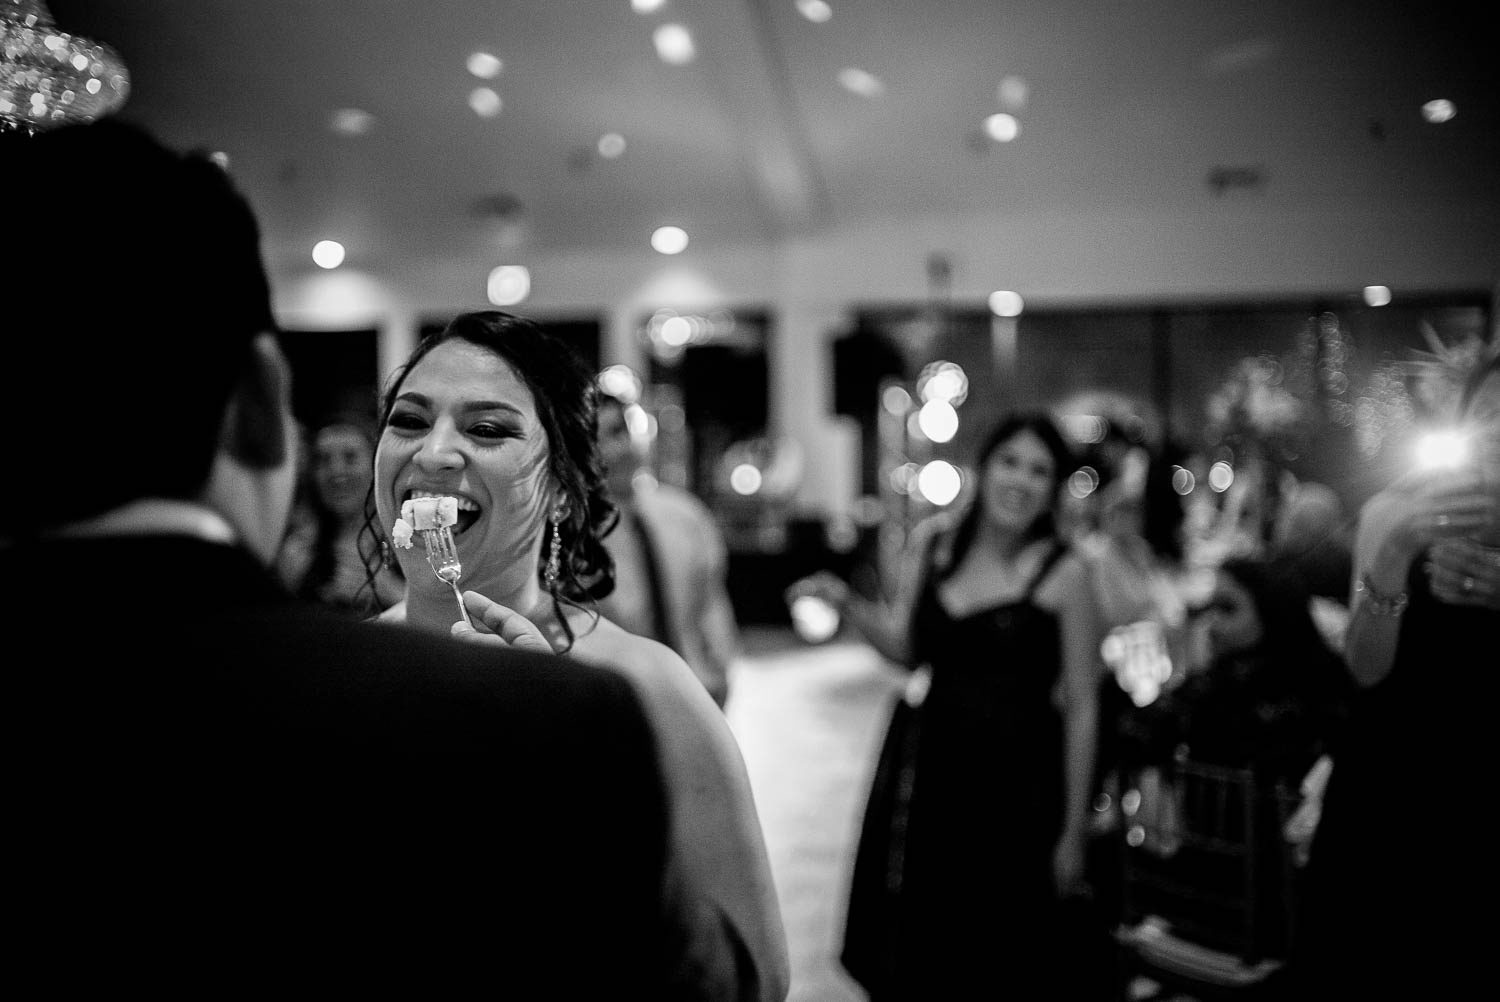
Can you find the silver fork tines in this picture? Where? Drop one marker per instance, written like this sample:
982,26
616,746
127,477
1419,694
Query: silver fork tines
442,557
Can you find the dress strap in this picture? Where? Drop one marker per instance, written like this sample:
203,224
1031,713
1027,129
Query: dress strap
1057,552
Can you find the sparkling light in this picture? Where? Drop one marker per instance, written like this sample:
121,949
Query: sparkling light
485,102
1377,295
938,420
485,66
1006,304
939,482
1441,450
620,380
1439,110
1001,127
669,240
857,81
815,11
1083,482
814,619
328,253
508,284
611,145
674,44
745,479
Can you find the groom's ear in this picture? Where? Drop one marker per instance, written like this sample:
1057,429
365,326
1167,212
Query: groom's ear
255,424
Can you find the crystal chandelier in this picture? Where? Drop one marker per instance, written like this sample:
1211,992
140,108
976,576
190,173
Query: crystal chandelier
50,78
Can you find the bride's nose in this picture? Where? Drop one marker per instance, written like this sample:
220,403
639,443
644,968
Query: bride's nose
442,448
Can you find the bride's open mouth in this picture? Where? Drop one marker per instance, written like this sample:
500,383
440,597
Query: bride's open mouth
468,510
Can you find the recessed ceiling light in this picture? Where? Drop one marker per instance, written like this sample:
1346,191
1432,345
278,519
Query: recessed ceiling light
328,253
351,121
815,11
611,145
485,102
859,82
1439,110
1002,128
645,6
508,284
485,66
1377,295
1006,303
674,44
669,240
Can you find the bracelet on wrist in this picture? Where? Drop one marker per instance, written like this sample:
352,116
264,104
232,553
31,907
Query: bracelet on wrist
1379,603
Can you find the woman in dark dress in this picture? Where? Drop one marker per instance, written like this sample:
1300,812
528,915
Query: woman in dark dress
976,826
1401,879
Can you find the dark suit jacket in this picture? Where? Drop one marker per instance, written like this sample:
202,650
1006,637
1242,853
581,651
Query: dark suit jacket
211,786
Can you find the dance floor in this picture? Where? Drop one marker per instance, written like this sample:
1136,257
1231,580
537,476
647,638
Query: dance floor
809,721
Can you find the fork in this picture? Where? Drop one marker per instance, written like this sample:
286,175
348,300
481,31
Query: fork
442,557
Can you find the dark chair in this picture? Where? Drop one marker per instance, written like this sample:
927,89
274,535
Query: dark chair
1207,895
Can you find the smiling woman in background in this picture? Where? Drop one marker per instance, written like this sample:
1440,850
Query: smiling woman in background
975,831
501,416
321,558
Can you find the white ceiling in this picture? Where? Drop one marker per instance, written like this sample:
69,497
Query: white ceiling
1131,105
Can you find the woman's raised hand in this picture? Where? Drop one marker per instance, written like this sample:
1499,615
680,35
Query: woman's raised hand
496,624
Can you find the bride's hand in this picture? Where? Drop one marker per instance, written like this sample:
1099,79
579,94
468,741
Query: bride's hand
497,625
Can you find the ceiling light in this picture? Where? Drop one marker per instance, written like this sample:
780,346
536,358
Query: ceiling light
611,145
673,44
328,253
485,66
815,11
1377,295
645,6
508,284
50,78
351,121
669,240
485,102
1002,128
1439,110
859,82
1006,304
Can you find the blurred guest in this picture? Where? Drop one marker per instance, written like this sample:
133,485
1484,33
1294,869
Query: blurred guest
977,824
1271,699
1399,868
322,557
223,785
495,412
1312,534
670,560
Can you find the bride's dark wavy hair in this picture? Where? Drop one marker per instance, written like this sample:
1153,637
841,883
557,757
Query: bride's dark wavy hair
566,397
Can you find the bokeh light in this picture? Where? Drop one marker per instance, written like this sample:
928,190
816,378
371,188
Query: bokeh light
328,253
669,240
938,420
1005,303
939,482
813,619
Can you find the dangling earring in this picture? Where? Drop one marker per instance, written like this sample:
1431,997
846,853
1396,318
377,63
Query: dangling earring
554,552
387,555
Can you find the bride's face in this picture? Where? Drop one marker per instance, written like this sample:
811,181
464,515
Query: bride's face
465,424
